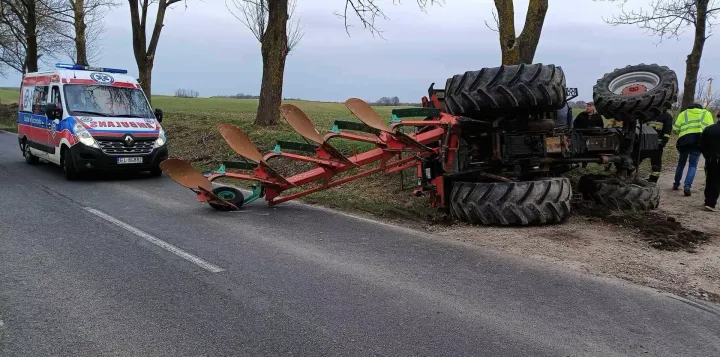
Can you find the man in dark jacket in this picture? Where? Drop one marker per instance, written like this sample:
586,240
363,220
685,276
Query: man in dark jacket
710,146
663,125
589,118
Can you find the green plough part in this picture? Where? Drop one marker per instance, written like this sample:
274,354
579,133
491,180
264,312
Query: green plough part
291,145
351,125
414,112
256,193
240,165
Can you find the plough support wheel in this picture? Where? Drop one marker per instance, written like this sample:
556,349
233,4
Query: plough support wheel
230,195
185,175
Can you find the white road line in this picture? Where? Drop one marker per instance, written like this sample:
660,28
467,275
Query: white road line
160,243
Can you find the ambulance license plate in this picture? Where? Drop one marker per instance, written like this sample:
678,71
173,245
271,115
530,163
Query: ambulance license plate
129,160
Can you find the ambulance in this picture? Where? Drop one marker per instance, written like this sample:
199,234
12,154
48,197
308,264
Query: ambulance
87,118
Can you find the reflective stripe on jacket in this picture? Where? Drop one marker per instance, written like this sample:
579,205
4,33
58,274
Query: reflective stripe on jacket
692,121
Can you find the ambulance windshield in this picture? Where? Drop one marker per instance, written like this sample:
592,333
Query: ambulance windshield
107,101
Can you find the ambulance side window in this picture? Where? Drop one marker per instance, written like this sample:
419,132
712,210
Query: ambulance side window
40,99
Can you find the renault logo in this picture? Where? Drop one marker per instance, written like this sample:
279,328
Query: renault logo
128,140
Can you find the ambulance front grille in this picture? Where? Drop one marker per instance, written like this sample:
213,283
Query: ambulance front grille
119,148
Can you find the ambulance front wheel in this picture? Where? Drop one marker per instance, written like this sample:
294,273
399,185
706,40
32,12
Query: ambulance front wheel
68,165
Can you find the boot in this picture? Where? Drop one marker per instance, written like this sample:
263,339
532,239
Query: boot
653,179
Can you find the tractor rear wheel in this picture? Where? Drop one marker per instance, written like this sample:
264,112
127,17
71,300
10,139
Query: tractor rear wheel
641,91
637,195
512,203
506,90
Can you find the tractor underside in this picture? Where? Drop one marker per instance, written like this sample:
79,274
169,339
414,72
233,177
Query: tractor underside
488,147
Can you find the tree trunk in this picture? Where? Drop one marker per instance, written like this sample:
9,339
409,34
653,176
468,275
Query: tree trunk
80,41
146,79
692,64
530,37
31,52
520,49
274,52
506,28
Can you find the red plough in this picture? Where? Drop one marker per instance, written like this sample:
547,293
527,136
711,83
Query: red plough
433,139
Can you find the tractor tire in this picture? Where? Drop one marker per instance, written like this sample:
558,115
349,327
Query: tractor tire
639,195
506,90
641,91
512,203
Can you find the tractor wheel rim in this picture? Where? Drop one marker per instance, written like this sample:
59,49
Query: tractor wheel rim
226,195
634,83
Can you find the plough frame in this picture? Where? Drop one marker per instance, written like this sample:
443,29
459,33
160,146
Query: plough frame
388,138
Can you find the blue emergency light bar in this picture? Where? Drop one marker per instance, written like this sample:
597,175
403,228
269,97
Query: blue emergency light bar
80,67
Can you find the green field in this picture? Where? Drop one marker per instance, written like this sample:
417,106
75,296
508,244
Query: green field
191,127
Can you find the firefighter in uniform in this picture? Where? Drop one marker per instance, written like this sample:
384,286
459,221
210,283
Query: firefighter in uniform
663,125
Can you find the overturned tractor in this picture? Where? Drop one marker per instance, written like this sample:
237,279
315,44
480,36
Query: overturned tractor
487,148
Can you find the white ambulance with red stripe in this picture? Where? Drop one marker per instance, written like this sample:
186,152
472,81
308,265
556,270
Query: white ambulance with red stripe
87,118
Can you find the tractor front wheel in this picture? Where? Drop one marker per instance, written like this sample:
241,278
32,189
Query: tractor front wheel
512,203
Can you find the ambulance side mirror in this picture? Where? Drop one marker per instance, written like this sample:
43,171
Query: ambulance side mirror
53,111
158,115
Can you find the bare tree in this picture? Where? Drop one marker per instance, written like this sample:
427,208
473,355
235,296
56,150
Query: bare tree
521,48
27,35
267,20
81,24
367,11
668,19
515,48
144,51
186,93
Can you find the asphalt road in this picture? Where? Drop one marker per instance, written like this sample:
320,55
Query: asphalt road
137,267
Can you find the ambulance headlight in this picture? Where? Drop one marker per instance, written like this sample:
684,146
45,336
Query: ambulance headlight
161,140
84,136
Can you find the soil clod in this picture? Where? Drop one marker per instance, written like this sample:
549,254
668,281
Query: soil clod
657,229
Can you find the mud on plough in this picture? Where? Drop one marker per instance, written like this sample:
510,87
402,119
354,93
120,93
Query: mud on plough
390,140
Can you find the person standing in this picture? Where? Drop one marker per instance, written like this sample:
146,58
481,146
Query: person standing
564,115
663,125
590,118
710,147
689,124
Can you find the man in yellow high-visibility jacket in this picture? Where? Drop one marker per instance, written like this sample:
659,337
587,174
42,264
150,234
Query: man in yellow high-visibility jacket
689,124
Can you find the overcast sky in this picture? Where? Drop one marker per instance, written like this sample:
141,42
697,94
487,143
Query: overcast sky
203,47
